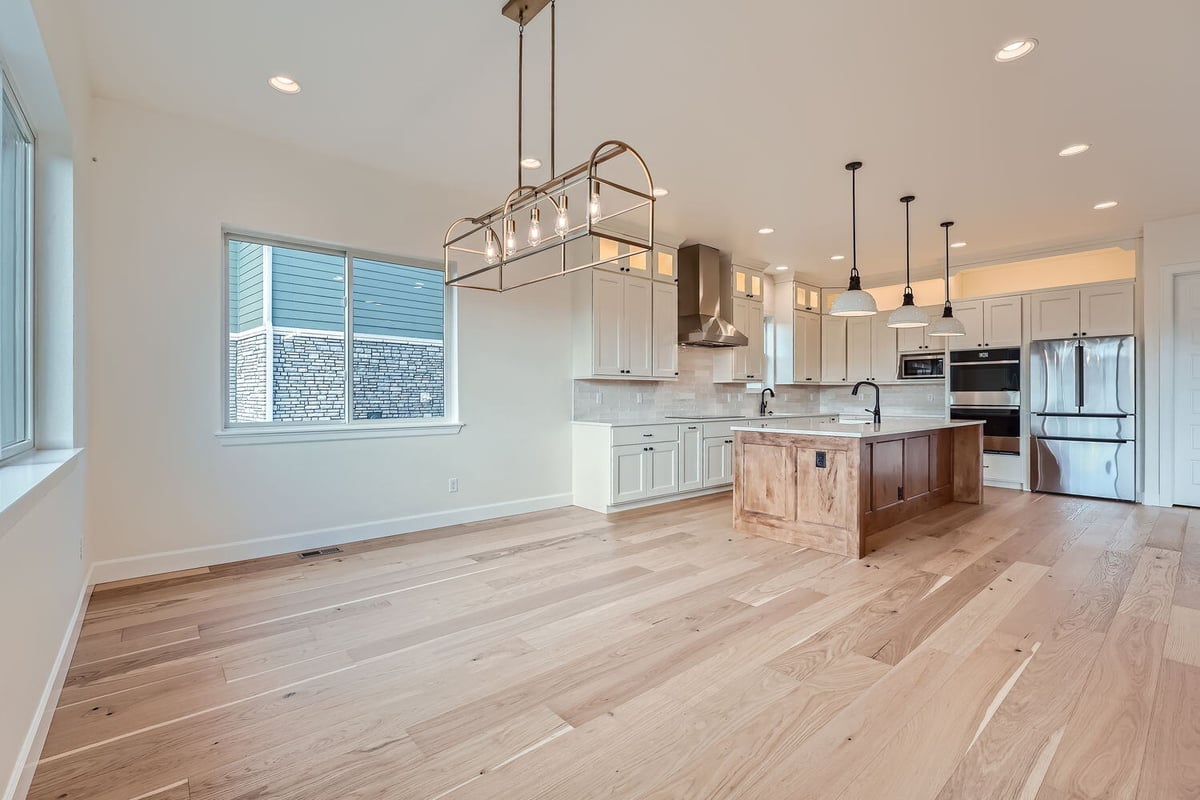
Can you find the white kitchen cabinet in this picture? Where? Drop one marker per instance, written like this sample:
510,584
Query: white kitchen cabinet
917,340
1106,310
884,360
747,283
630,476
662,469
1099,310
743,364
805,297
807,343
614,331
691,457
666,263
995,322
797,335
833,349
617,258
859,360
718,461
665,319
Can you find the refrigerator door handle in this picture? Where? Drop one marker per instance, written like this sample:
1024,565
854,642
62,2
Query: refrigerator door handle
1079,375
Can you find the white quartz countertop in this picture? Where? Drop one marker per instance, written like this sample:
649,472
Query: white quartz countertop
863,430
680,420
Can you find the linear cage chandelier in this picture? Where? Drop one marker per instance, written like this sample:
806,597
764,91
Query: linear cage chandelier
594,213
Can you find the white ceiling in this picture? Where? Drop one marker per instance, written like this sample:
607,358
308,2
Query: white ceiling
745,111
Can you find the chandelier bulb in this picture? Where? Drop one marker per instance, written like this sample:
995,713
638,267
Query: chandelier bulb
535,227
594,205
562,222
510,237
491,251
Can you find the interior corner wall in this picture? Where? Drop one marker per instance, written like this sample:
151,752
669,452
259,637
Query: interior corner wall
1169,247
165,492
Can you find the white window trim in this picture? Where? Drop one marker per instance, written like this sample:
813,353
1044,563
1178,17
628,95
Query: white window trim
27,444
253,433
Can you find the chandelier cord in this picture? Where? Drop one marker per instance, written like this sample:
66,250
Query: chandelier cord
553,94
907,252
520,94
853,221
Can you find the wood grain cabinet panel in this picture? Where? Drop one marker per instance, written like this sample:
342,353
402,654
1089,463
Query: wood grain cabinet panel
826,500
940,459
916,466
769,470
887,473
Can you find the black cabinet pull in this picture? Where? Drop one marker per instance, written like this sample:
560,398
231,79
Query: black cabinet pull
647,434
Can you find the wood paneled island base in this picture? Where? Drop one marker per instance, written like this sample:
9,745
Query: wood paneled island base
830,486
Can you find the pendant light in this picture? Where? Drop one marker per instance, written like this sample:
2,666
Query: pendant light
947,325
908,315
854,302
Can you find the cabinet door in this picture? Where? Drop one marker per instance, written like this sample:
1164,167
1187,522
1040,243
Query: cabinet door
662,469
638,263
859,361
910,340
718,462
833,348
665,260
608,302
666,330
807,346
1106,310
884,363
691,457
916,466
630,480
741,321
638,319
970,314
1054,315
755,356
887,473
1002,322
806,298
608,250
747,282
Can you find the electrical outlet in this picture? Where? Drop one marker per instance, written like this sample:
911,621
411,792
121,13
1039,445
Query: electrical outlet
929,397
453,485
599,398
637,398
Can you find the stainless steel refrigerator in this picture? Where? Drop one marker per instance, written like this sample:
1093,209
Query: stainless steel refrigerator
1082,416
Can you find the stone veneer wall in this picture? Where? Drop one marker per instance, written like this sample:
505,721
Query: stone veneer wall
393,378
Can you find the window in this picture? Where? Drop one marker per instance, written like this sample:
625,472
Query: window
16,270
286,356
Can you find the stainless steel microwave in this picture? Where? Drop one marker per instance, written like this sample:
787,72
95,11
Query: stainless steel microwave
922,366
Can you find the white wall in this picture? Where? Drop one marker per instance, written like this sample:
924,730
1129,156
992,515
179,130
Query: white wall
43,536
1169,247
163,187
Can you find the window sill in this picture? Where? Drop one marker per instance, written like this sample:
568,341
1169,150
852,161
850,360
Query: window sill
28,477
341,432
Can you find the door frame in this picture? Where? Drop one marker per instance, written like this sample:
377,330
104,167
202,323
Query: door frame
1166,367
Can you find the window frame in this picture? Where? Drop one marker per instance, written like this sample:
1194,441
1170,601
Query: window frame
347,427
9,93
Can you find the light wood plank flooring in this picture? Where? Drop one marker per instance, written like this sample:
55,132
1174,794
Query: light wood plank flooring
1032,647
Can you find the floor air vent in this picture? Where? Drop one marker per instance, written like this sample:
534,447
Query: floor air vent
324,551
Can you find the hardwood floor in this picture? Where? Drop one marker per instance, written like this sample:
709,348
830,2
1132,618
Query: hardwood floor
1033,647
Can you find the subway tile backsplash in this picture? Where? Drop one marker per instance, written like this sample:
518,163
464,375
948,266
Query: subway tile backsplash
695,393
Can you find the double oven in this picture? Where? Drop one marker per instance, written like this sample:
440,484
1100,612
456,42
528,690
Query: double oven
986,385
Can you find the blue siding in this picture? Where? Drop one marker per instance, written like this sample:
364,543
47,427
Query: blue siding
245,285
398,300
308,291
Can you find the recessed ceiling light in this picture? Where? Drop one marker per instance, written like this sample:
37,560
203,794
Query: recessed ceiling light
1074,150
781,267
836,258
765,231
659,191
959,244
530,163
1014,50
1105,204
285,84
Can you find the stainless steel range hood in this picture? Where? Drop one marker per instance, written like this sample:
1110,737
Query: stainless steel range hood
706,299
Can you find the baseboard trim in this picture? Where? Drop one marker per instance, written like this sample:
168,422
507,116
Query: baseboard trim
22,777
119,569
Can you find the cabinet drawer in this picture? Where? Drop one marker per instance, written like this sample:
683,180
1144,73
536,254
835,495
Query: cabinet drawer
1003,468
641,434
722,429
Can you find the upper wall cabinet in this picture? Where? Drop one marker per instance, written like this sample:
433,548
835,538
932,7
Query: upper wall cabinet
1100,310
629,264
995,322
616,333
798,348
805,297
833,349
747,283
666,263
665,315
916,340
743,364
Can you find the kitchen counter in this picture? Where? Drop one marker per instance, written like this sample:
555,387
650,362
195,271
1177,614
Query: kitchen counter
829,485
658,419
865,430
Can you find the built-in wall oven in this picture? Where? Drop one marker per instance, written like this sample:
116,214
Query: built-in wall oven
986,385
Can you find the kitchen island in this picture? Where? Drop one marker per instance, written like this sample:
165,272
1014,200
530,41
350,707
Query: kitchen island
829,485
